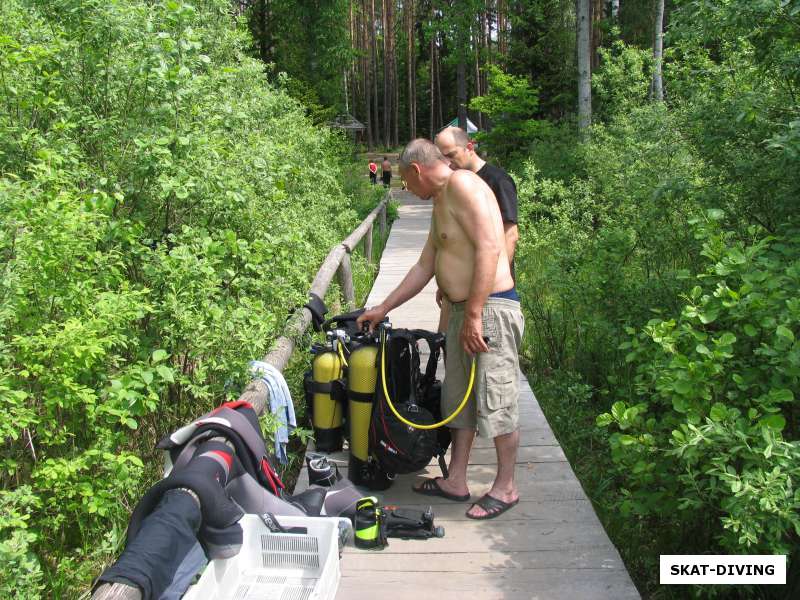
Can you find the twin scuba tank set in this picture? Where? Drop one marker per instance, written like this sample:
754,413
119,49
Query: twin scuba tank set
369,387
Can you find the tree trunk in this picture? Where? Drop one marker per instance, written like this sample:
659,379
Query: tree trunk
658,53
395,82
462,85
411,68
262,25
439,90
374,51
478,40
365,62
584,66
354,69
502,42
598,8
433,85
387,77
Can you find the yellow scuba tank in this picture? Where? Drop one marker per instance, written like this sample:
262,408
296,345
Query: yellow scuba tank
327,416
361,380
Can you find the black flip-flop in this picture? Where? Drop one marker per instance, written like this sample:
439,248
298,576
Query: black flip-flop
429,487
492,506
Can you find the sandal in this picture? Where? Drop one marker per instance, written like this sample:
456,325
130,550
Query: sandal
430,487
492,507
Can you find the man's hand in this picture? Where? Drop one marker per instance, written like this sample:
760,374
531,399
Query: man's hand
439,296
373,316
472,336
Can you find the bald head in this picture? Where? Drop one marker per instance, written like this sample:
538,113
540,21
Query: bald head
420,151
456,135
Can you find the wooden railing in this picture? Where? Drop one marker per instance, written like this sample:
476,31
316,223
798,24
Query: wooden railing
256,393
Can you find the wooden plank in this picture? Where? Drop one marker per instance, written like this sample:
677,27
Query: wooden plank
487,560
529,436
487,456
528,475
502,534
575,510
511,584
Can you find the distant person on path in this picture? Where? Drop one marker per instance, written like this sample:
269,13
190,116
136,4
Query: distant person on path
466,252
386,168
373,172
459,150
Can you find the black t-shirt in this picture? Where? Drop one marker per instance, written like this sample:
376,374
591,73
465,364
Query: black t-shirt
504,190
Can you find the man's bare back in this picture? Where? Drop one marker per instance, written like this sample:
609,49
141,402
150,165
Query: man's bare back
455,251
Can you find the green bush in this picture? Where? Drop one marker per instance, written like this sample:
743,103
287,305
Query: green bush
706,434
162,208
511,102
599,250
657,265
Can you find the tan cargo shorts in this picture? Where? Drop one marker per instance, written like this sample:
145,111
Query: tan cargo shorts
493,406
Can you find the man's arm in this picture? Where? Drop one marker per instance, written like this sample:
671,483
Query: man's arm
512,235
416,279
471,210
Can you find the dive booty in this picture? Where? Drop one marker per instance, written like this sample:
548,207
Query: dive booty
369,474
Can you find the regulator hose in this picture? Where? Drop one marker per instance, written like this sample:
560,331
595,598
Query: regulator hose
403,419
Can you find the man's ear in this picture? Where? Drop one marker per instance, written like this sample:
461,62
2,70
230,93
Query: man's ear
470,146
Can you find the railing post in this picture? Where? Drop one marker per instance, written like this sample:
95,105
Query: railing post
383,221
346,282
368,244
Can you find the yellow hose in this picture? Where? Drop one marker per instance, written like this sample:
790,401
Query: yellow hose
418,425
341,354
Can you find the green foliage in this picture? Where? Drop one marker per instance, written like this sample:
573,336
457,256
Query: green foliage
511,103
737,100
542,46
704,434
162,206
21,576
307,44
658,266
602,249
622,82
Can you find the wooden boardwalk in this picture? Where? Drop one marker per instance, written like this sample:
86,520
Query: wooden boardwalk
550,546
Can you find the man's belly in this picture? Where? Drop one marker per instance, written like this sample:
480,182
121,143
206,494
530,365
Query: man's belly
454,276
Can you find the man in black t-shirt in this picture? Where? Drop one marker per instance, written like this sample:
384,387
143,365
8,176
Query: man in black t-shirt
456,146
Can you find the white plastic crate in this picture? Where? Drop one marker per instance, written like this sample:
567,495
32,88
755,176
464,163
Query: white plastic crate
276,566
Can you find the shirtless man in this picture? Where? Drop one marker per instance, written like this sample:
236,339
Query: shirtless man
457,148
386,172
466,253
